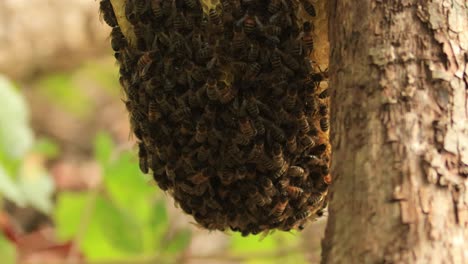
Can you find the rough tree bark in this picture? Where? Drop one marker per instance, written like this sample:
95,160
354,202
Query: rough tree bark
399,73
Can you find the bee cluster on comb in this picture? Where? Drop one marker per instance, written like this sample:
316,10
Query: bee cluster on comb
228,108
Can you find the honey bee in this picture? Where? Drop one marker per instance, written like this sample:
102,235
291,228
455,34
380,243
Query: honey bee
239,39
192,4
156,8
274,6
275,132
253,53
164,105
281,171
249,21
290,99
318,150
130,13
210,112
278,157
107,13
307,142
324,124
279,208
323,110
202,153
294,192
251,106
201,132
246,127
268,186
302,123
180,114
153,114
143,156
257,150
170,171
226,92
252,70
296,171
275,60
291,144
309,8
214,16
302,215
211,89
258,124
292,63
118,40
199,178
324,94
227,177
306,36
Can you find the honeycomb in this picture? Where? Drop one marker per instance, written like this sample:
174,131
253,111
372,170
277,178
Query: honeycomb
230,112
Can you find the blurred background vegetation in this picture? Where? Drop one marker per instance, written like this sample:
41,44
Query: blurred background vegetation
70,187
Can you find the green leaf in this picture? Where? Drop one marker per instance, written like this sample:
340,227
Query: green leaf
68,213
62,90
179,242
119,226
249,244
103,147
156,224
46,147
16,136
37,187
7,251
9,189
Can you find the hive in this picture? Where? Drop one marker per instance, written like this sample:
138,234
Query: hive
228,108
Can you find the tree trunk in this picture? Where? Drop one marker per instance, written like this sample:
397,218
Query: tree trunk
399,132
39,35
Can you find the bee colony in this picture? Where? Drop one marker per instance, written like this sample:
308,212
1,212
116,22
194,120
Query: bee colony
228,109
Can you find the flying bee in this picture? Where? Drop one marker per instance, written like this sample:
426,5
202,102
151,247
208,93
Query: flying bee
324,124
118,40
211,89
153,114
279,208
302,123
294,192
246,128
324,94
143,156
306,36
309,8
201,132
107,13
